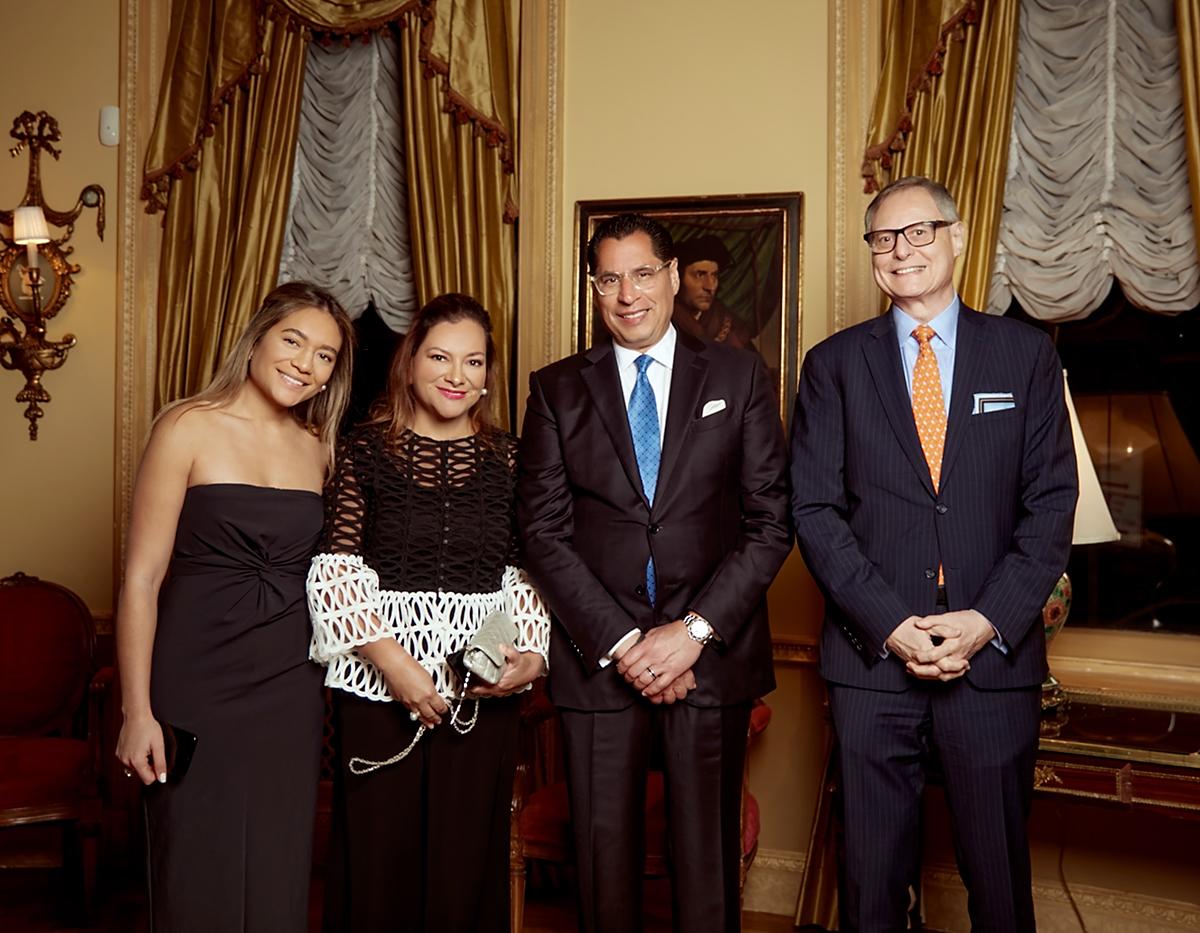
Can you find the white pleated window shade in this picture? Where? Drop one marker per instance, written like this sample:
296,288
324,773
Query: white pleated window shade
348,216
1097,183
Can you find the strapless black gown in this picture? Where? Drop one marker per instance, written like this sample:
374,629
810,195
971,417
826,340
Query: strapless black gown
230,846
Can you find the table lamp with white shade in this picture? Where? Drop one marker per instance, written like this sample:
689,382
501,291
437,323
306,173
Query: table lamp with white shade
1093,525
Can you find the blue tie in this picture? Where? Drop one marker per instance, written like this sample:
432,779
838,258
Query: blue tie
643,424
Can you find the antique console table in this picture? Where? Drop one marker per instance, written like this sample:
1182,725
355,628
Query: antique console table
1130,750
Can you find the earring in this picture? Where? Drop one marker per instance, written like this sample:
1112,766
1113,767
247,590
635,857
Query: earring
324,386
483,391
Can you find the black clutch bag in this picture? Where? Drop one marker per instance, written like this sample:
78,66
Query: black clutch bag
179,746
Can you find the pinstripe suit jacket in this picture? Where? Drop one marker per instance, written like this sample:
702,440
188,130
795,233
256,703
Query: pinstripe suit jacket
872,529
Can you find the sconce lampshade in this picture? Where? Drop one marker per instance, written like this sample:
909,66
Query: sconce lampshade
1093,521
29,226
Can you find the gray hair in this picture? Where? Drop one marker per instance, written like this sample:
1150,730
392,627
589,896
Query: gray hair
941,198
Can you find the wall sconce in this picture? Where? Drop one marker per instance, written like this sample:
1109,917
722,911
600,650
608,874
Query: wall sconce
33,291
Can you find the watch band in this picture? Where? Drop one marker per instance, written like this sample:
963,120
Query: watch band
691,617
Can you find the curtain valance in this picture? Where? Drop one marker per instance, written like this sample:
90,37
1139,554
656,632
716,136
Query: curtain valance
217,46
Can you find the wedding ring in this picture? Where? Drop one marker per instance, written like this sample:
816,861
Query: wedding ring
413,716
650,672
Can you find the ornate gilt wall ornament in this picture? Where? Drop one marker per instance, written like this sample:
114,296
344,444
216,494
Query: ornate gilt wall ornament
35,275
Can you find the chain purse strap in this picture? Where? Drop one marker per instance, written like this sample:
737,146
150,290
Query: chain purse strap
462,728
366,765
360,766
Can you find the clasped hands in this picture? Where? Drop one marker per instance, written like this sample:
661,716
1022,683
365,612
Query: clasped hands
962,633
659,664
412,686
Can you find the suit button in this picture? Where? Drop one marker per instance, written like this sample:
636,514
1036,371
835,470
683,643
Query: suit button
640,590
942,508
655,529
930,574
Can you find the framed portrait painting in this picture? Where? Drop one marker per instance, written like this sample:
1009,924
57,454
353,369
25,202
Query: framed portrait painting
739,263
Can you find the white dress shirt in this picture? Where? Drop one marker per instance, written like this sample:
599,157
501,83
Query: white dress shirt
658,374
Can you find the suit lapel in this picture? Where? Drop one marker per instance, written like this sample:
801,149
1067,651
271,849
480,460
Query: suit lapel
604,385
968,353
883,360
688,373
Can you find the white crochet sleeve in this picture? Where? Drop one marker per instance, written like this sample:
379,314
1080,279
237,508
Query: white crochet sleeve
345,605
527,610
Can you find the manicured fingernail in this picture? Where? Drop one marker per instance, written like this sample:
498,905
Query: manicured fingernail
162,778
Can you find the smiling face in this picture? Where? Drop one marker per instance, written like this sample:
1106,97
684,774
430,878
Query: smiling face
919,281
636,319
449,371
296,356
698,285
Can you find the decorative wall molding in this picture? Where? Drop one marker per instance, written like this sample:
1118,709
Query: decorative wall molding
773,882
541,337
787,649
855,57
143,35
102,622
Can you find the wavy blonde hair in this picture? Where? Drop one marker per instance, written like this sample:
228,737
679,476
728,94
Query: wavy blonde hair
321,414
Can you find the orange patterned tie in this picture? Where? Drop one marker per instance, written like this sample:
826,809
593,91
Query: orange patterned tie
929,408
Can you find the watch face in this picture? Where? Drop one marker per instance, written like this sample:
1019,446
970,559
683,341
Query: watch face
699,629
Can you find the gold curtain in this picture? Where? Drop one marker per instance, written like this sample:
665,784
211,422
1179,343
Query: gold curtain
944,109
225,221
220,159
1187,21
461,195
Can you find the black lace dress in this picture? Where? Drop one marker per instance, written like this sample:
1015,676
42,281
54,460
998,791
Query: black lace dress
419,547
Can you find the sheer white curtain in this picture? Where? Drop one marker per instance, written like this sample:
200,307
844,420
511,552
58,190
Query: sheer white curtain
348,217
1097,184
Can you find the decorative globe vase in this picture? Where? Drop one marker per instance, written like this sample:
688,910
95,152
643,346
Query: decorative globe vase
1054,617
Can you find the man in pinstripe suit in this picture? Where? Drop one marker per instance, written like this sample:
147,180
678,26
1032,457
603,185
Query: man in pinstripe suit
933,491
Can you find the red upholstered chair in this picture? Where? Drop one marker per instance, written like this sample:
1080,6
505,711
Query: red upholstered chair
541,816
49,721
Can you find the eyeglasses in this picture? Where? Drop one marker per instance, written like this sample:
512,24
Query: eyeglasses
641,278
921,233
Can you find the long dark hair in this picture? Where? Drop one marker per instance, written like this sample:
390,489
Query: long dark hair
397,408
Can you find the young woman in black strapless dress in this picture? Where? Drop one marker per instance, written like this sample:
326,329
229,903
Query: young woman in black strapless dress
212,627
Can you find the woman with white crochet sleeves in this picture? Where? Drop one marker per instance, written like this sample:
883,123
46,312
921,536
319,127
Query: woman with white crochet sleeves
418,551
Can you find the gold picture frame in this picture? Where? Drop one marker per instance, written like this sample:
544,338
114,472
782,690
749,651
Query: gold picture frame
761,287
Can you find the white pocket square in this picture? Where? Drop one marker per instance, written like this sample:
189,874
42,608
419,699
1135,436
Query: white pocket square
712,407
987,402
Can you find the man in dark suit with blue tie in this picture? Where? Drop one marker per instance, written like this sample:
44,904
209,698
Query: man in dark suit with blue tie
652,502
933,491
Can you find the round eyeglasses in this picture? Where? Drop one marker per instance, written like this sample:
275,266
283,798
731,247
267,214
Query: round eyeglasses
921,233
641,278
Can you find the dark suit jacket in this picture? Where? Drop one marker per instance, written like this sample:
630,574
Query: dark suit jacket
718,530
871,528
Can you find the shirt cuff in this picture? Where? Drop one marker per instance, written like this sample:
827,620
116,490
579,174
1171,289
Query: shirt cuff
608,658
997,642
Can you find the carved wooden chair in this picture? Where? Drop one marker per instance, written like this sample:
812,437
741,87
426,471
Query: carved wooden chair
541,819
50,724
